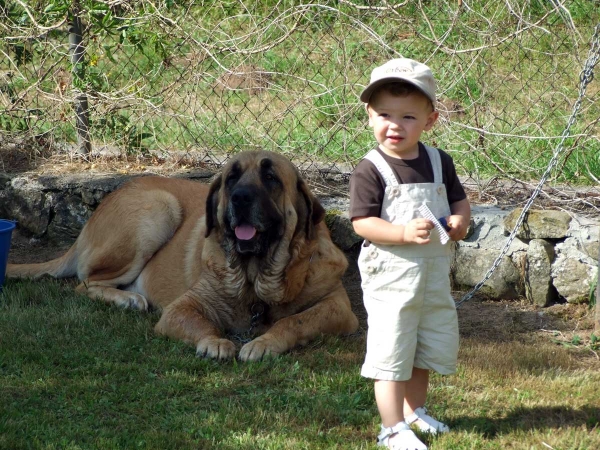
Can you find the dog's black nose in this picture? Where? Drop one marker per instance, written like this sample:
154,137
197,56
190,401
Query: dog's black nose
242,196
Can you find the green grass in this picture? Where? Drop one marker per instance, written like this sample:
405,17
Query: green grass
78,374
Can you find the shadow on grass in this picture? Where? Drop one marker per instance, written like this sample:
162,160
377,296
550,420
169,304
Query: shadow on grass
527,419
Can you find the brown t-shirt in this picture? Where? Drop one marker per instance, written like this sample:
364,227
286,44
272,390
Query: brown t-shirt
367,186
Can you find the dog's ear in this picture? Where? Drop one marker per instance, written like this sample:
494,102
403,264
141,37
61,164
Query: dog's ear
212,205
315,212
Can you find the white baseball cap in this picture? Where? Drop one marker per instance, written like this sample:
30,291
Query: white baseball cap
401,69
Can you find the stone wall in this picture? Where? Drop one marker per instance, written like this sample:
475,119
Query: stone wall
553,258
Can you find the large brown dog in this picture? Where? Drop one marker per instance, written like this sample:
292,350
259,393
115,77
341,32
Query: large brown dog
249,255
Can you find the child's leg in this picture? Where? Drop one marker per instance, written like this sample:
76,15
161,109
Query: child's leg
395,433
414,402
416,390
389,396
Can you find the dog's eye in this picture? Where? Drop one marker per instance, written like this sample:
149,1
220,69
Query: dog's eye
234,174
270,178
232,178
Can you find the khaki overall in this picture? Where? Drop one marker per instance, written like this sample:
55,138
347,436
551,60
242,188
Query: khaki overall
406,288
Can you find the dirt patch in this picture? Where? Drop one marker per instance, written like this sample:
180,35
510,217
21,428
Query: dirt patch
28,250
244,77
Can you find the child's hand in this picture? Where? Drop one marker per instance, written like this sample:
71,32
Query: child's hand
417,231
458,227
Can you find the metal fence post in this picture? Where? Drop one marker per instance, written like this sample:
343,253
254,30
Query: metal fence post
77,51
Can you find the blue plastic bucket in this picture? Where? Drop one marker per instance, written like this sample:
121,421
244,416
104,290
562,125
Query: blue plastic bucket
6,227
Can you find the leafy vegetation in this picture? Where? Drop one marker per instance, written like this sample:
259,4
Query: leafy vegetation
196,76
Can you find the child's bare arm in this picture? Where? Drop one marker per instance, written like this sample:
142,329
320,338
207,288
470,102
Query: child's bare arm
380,231
459,220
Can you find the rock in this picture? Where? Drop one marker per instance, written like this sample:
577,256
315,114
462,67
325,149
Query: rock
25,202
342,232
538,280
539,224
472,264
70,217
487,224
573,271
4,179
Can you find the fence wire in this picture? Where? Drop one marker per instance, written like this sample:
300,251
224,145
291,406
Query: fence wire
192,82
585,78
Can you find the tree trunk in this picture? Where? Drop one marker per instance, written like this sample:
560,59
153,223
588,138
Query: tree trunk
77,51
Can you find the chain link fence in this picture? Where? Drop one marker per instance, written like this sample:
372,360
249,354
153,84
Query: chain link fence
192,82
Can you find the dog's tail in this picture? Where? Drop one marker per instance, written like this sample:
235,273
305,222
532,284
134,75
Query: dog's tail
62,267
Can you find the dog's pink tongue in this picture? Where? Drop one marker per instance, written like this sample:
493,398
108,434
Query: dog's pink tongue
245,232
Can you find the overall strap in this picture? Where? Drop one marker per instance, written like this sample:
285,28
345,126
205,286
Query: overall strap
436,163
384,168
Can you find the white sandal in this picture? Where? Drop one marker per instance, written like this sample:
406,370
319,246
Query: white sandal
425,422
399,437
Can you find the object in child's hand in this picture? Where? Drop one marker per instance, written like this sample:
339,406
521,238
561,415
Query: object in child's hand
443,222
427,214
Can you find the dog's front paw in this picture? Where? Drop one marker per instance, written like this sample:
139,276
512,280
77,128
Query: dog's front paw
131,300
215,348
261,347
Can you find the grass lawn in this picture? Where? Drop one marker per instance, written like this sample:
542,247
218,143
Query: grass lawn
77,374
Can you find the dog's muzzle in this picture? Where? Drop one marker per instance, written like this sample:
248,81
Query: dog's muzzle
251,219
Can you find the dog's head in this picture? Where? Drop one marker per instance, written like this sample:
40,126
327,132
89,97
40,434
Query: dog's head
258,198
